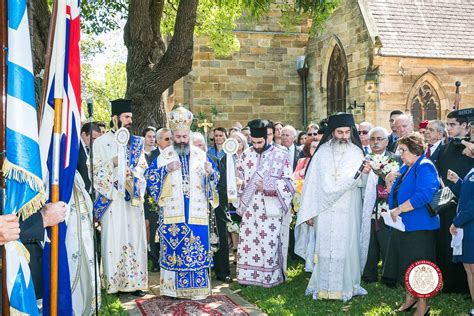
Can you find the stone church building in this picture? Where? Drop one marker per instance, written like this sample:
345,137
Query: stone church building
393,54
369,57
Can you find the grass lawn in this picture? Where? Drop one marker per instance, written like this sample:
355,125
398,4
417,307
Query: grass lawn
289,299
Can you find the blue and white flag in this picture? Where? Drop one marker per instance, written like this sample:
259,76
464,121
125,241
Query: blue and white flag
22,166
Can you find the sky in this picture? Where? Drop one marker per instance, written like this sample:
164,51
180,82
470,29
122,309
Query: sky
114,51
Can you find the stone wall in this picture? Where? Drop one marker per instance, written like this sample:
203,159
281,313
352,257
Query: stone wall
259,81
347,29
400,78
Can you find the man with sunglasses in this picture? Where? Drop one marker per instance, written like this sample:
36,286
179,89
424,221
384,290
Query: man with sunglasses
363,131
163,140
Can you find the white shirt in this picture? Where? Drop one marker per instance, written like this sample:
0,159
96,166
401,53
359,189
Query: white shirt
434,147
291,154
369,151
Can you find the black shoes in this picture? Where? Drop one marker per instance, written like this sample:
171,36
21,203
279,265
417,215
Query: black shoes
406,309
138,293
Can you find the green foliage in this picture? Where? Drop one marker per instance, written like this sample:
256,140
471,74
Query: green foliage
289,299
90,47
103,90
102,15
110,305
216,20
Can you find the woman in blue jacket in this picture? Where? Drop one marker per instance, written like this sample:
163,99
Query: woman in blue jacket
412,190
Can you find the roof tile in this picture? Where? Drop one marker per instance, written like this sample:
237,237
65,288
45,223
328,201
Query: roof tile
441,28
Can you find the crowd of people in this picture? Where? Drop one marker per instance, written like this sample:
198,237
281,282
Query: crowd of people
257,194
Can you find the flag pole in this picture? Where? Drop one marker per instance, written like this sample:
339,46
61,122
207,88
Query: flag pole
59,39
3,100
58,103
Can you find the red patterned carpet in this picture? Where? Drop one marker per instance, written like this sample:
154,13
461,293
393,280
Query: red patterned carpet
214,305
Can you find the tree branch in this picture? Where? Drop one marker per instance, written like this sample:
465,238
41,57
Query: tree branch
177,60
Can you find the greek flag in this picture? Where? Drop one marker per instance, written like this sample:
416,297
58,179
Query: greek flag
22,167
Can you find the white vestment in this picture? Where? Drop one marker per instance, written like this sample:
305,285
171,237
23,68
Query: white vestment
333,198
80,250
123,236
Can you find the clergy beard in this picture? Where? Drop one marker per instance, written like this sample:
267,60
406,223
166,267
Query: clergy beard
182,149
340,144
342,141
260,150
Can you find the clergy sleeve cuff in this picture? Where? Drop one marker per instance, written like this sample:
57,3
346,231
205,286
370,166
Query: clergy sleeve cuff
270,193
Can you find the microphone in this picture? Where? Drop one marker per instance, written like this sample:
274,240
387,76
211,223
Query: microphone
89,107
358,173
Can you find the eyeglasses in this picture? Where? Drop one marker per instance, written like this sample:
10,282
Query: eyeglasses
378,139
363,132
312,134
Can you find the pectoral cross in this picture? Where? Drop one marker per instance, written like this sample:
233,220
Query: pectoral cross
205,125
336,175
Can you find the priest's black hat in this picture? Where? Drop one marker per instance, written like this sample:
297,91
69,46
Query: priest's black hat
467,114
258,128
120,106
340,120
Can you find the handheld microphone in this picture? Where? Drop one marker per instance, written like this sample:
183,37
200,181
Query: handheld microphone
89,107
358,173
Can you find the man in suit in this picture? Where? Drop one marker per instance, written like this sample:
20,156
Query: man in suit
434,137
393,137
363,130
288,136
271,136
404,126
451,158
84,150
163,140
32,236
376,194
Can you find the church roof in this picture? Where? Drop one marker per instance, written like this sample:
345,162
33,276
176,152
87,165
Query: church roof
429,28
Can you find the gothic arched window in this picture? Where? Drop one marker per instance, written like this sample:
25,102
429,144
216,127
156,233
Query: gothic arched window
337,79
425,104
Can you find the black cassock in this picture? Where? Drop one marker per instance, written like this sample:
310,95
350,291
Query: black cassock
454,275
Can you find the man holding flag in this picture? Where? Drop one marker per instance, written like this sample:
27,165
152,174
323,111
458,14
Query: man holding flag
24,186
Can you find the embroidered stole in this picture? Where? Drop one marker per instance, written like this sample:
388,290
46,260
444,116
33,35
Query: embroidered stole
172,194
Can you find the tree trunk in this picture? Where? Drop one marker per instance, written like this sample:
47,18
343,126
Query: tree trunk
151,66
39,18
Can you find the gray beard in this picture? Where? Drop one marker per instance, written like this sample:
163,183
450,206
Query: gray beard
339,145
182,149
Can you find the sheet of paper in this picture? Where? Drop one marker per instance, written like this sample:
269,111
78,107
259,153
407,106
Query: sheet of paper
456,242
389,221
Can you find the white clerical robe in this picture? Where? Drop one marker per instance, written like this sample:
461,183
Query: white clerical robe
123,236
266,216
80,250
333,198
